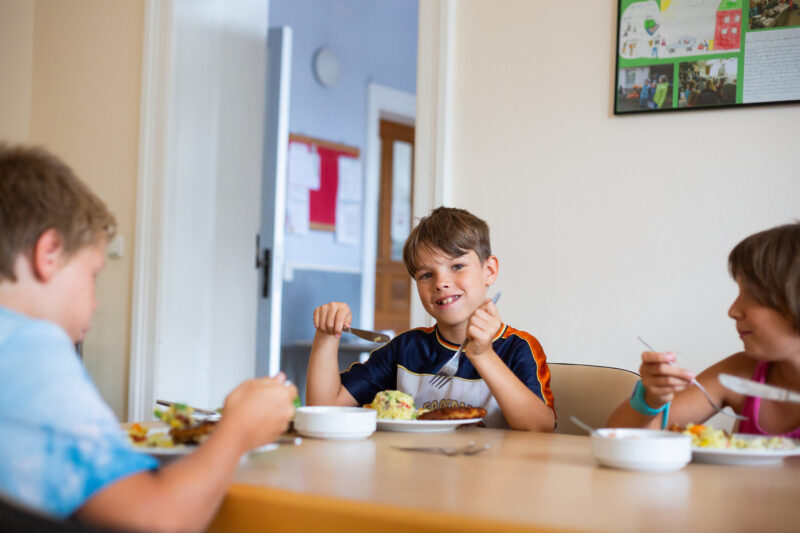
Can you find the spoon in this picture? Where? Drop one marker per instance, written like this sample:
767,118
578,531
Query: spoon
581,424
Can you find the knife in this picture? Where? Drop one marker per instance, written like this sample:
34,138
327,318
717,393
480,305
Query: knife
753,388
372,336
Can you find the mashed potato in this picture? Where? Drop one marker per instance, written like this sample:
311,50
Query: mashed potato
395,405
708,437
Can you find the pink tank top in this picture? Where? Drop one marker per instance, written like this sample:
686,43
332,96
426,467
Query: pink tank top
753,404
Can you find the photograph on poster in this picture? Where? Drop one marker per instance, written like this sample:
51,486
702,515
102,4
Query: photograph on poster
707,82
774,14
645,88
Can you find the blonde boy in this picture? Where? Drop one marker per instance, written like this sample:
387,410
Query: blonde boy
503,369
53,236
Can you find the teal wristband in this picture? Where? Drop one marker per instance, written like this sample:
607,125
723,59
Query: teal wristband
640,404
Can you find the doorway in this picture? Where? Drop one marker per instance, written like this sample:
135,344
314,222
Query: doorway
383,103
392,286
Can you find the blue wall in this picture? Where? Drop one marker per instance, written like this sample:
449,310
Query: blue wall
376,42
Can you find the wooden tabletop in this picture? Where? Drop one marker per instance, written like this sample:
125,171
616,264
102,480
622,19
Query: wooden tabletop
524,482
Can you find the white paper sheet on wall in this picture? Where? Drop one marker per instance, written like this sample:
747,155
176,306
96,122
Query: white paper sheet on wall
772,66
303,166
297,209
349,189
348,222
303,175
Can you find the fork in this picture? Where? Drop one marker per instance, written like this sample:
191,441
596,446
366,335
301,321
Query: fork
448,370
469,449
197,410
697,384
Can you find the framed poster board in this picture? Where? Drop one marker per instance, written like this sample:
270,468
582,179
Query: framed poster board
691,54
322,197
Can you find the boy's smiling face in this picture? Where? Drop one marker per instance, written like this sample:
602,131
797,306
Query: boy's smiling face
451,288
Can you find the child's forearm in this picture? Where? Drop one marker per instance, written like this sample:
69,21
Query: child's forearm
521,408
323,383
525,411
193,485
627,416
182,496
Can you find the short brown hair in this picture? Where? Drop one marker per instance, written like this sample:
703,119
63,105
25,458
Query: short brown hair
768,265
39,192
449,230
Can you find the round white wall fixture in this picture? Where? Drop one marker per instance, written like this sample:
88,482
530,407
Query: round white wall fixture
326,67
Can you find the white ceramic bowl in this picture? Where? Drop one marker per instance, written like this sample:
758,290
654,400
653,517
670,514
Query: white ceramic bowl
329,422
641,449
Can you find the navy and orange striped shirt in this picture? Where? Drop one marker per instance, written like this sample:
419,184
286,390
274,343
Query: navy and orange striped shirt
409,360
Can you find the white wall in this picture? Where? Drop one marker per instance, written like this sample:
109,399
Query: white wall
606,227
70,78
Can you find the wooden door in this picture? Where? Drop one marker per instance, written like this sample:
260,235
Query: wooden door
392,282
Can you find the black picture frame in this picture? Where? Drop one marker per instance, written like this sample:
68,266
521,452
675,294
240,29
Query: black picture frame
682,55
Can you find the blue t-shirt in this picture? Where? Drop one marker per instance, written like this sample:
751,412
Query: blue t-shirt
60,442
408,362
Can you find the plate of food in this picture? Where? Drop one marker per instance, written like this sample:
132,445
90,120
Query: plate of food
710,445
180,436
156,442
396,412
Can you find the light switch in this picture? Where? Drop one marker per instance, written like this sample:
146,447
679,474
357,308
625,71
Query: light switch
115,247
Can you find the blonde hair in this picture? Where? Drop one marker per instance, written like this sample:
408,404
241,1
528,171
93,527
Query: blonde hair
38,192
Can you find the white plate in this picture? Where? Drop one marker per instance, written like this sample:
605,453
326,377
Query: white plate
265,448
423,426
160,452
744,457
164,453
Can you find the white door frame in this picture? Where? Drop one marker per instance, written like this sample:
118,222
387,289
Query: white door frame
432,164
147,261
399,106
